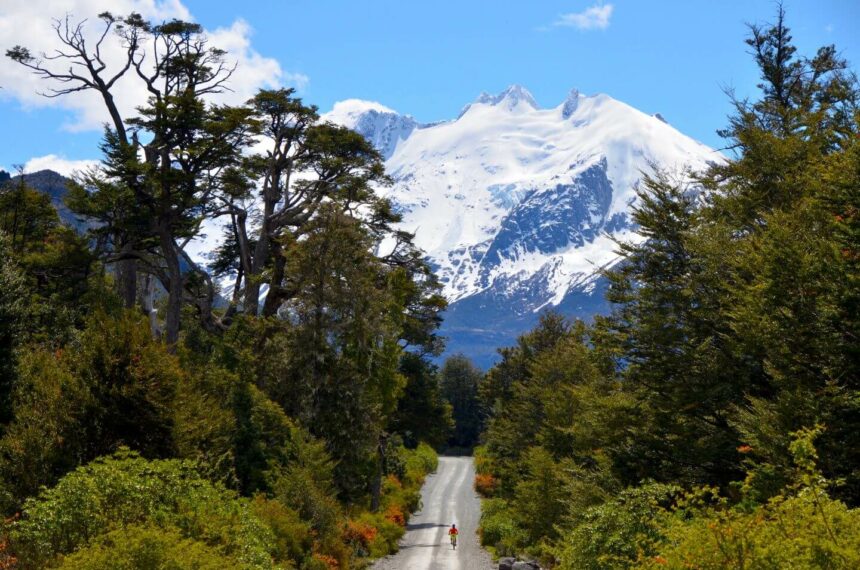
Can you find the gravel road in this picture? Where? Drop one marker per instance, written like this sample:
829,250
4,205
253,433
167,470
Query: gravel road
448,497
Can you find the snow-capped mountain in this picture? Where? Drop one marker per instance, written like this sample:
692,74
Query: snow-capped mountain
380,125
517,205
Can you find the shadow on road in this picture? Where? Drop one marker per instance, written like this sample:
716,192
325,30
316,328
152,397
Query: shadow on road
423,525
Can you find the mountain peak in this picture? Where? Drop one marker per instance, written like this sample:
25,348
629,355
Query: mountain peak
348,111
382,126
514,97
510,97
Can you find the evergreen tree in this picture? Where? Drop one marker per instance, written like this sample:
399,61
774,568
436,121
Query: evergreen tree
460,381
675,355
422,413
783,210
115,386
171,177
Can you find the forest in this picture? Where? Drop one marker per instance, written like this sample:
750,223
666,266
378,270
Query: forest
149,420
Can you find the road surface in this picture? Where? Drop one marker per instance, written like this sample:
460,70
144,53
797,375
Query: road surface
448,497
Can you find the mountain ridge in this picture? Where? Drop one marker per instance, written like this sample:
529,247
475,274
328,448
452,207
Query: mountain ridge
516,205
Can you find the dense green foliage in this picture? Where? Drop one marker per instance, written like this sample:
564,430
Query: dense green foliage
460,380
147,423
422,413
711,420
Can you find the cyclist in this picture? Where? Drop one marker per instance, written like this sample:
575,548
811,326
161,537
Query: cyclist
452,534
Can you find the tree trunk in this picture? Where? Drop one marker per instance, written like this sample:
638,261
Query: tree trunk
174,288
381,467
258,261
147,305
127,277
275,296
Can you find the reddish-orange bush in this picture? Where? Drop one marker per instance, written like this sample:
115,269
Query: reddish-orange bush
329,561
395,515
486,484
359,533
7,561
394,482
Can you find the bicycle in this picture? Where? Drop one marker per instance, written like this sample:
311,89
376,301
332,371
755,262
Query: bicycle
454,541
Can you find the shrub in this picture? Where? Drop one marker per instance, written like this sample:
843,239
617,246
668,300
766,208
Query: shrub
322,562
300,488
360,535
394,514
618,533
126,490
143,547
485,484
483,461
420,462
8,561
498,530
293,538
808,531
373,535
388,535
799,528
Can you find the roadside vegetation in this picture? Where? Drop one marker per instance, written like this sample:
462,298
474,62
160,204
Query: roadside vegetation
711,421
275,409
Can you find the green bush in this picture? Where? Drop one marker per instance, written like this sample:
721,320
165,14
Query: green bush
420,462
619,532
125,489
808,531
387,534
298,488
483,461
114,386
498,530
147,548
799,528
293,537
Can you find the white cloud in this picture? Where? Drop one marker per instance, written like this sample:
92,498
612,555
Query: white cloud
28,23
592,18
59,164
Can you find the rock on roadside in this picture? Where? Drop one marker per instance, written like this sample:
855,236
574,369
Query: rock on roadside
514,564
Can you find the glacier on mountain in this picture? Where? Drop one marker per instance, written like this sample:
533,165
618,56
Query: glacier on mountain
516,206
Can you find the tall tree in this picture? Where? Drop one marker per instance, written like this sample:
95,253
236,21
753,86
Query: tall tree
77,67
168,158
13,312
460,381
422,413
669,304
786,210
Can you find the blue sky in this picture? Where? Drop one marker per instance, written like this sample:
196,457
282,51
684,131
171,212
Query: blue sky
428,59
